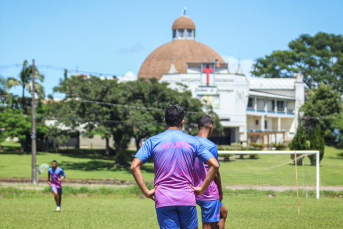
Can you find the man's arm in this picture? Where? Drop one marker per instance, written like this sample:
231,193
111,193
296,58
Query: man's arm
63,176
218,181
137,174
212,171
48,177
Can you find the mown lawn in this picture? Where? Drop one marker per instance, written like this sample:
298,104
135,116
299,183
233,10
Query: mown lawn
87,164
122,208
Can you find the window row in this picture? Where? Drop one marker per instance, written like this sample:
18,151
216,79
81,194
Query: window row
180,33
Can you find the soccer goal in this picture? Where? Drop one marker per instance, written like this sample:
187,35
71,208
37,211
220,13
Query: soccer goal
274,170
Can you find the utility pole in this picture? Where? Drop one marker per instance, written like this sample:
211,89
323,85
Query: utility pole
33,134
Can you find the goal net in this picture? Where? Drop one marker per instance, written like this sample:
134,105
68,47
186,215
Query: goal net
248,172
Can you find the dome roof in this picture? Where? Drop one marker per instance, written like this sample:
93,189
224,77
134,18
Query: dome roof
181,52
183,22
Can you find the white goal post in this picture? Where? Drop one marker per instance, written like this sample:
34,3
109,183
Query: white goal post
298,152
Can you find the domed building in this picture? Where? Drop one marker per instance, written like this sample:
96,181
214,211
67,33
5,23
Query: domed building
181,50
251,109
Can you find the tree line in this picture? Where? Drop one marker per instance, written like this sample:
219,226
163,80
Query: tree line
93,106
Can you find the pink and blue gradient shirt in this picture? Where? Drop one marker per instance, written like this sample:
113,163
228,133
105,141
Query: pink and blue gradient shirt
55,174
173,153
201,169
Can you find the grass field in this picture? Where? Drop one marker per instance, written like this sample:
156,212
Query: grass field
88,164
122,208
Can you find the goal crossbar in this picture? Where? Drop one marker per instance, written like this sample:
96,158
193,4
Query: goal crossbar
281,152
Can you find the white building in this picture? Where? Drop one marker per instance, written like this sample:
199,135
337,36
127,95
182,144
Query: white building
250,109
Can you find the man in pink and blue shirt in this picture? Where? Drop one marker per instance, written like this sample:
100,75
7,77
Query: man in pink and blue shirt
213,211
55,176
174,153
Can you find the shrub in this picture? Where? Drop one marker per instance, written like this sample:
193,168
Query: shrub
257,145
278,146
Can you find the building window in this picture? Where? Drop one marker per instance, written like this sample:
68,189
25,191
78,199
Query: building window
265,124
181,33
280,104
256,122
174,33
250,102
189,33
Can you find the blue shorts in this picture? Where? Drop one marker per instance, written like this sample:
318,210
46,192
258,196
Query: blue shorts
210,210
177,217
221,204
54,188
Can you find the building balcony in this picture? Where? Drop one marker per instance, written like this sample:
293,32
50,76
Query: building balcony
279,112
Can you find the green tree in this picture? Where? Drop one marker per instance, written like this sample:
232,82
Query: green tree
298,142
25,79
3,90
16,124
323,105
318,58
60,135
316,143
127,120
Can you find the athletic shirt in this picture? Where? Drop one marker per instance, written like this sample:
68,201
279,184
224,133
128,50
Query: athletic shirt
173,153
55,174
201,169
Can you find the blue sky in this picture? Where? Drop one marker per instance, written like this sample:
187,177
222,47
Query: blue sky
116,36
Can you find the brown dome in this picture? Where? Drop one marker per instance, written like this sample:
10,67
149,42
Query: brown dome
183,22
181,51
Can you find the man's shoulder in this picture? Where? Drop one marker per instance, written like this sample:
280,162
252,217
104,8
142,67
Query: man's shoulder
169,135
208,143
59,169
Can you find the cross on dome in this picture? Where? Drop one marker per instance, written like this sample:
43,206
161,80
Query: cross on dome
183,12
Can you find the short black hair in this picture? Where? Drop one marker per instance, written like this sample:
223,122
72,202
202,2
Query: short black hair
205,121
174,115
54,161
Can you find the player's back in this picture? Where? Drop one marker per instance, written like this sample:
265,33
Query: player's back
200,172
174,154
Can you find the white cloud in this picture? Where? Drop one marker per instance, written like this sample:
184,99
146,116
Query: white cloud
246,64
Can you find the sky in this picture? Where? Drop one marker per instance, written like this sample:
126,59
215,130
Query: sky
115,37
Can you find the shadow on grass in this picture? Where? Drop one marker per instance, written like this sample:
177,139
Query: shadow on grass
99,165
17,152
74,153
92,154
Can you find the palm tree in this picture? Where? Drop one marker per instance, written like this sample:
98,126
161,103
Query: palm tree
2,86
25,78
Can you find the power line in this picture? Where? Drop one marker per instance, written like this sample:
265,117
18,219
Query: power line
61,68
130,106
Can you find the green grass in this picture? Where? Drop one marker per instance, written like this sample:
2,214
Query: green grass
83,165
87,164
122,208
10,144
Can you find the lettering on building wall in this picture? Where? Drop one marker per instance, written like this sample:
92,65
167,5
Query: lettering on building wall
190,79
224,80
201,89
225,90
